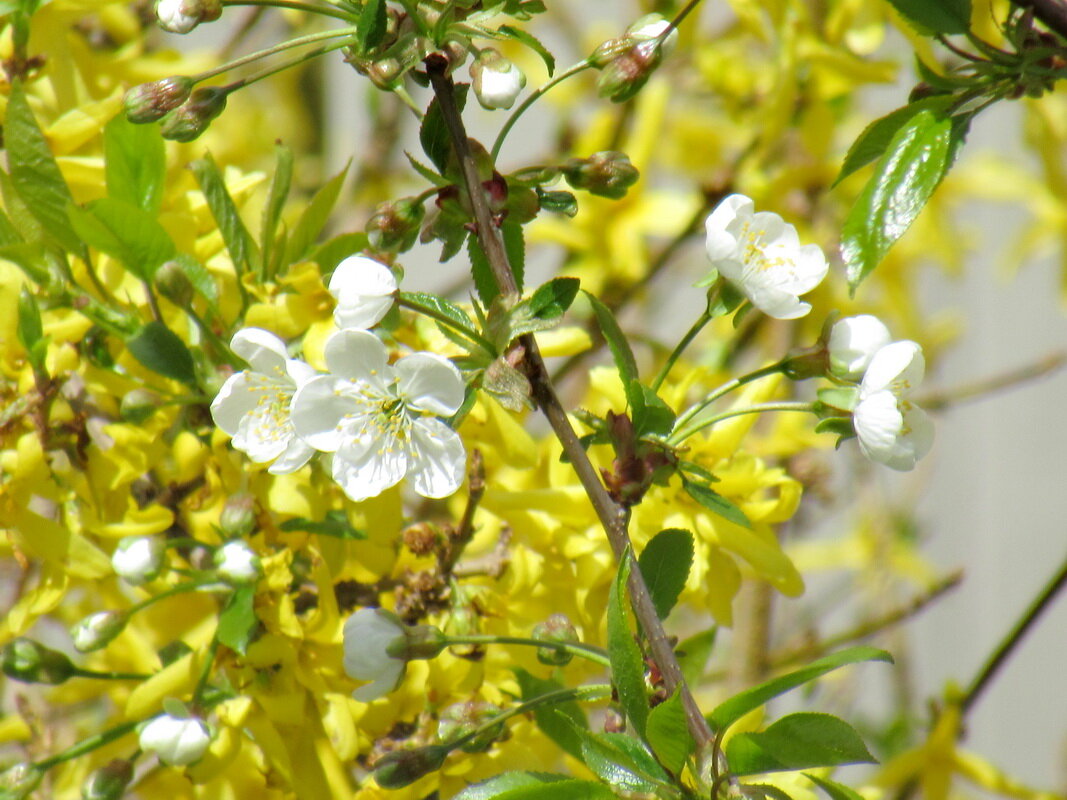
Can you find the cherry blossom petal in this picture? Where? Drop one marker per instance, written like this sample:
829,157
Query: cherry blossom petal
429,382
365,467
364,290
438,459
359,356
321,410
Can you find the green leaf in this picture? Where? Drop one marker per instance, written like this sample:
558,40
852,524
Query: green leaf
560,722
371,27
694,652
627,665
432,177
238,621
625,362
333,251
622,762
554,787
29,330
665,563
433,133
797,741
135,164
26,226
936,16
482,273
202,281
837,791
764,790
713,501
533,43
280,184
668,734
905,178
651,415
498,785
737,706
125,233
552,299
876,137
564,203
334,524
314,218
242,249
515,247
161,350
34,174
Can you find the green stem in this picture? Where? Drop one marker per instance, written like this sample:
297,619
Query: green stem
534,96
109,676
407,100
575,648
179,589
681,435
405,300
698,326
728,387
323,10
205,670
680,17
243,82
278,48
88,745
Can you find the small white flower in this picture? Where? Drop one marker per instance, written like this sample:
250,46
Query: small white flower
364,290
380,421
761,255
496,80
176,741
138,559
853,343
367,636
97,630
891,430
236,562
253,405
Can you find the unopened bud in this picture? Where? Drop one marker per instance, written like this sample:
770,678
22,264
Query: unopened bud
138,405
394,227
238,517
138,559
173,283
651,27
608,173
152,101
610,50
463,719
556,629
401,768
192,118
181,16
16,782
237,563
628,73
97,630
31,662
109,782
496,80
386,74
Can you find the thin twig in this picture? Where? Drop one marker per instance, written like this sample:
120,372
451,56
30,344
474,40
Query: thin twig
973,391
1052,12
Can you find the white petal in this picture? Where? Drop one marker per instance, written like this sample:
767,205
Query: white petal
264,433
898,366
367,636
879,424
364,291
263,351
438,460
322,410
359,356
722,244
429,382
853,342
299,372
296,455
366,467
774,302
235,399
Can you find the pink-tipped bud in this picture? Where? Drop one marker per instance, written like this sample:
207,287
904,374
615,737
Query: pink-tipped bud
152,101
186,123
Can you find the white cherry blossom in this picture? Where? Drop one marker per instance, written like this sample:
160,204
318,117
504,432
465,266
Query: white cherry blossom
380,421
364,290
853,343
761,256
368,635
175,740
253,405
496,80
890,428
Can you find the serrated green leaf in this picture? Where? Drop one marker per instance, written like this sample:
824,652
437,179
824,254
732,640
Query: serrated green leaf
837,791
515,247
737,706
440,305
161,350
278,193
560,722
627,665
764,790
713,501
668,734
665,563
693,654
904,179
334,524
432,177
314,218
35,176
135,164
533,43
621,762
797,741
433,133
499,785
126,233
238,621
936,16
877,136
625,362
239,243
552,299
371,27
651,415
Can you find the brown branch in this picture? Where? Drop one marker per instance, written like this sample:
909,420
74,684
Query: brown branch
612,516
1051,12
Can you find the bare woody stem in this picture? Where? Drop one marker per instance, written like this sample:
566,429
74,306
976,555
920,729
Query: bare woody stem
613,517
1052,12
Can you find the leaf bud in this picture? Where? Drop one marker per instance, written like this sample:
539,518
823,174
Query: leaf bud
97,630
463,719
401,768
174,284
109,782
192,118
181,16
608,173
238,517
17,781
138,559
496,80
149,102
557,629
138,405
28,661
394,226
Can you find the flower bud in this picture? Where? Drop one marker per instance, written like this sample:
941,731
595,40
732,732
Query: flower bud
192,118
651,27
394,227
238,517
557,628
628,73
97,630
462,719
152,101
852,344
237,563
31,662
109,782
181,16
173,283
138,405
496,80
386,74
176,741
138,559
610,50
608,173
401,768
16,782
